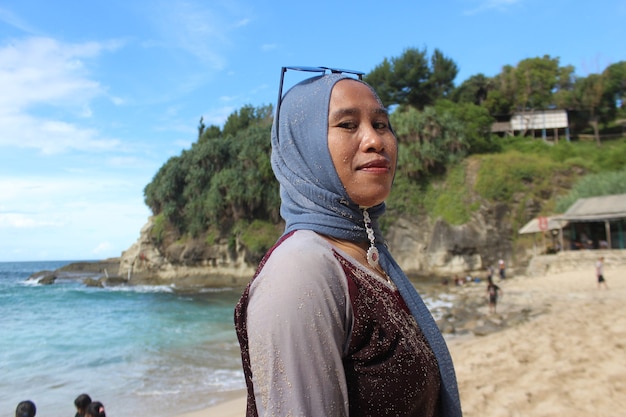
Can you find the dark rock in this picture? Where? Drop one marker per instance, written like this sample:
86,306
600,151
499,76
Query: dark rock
446,327
111,265
487,328
48,279
114,281
37,276
90,282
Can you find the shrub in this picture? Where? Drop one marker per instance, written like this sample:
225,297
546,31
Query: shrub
257,237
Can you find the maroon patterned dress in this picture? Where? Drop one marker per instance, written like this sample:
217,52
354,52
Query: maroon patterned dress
322,336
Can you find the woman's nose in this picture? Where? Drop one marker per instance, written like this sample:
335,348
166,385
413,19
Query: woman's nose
372,140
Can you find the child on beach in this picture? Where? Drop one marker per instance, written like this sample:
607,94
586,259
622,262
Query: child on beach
26,409
493,291
95,409
81,402
600,273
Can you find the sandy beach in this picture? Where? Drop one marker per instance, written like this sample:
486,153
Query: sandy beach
567,359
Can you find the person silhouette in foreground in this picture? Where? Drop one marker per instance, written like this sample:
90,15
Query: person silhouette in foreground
26,409
330,326
81,402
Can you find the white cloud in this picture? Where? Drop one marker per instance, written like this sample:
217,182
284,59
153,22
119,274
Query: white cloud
499,5
41,194
44,71
243,22
103,247
11,19
203,31
49,136
22,221
41,73
218,116
68,217
191,27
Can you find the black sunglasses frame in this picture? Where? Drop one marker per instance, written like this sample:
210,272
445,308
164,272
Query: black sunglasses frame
321,70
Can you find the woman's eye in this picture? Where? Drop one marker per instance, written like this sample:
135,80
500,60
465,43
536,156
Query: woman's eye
348,125
380,125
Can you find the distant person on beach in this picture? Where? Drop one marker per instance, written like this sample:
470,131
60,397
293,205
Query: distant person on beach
493,292
600,273
330,325
26,409
502,269
95,409
81,402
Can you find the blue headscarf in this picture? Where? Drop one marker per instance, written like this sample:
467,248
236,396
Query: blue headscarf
313,198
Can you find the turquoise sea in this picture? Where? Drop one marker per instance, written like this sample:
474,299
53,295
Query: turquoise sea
143,351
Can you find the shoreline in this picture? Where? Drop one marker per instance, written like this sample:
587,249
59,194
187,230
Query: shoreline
567,357
234,406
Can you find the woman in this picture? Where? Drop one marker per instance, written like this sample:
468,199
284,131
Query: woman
330,325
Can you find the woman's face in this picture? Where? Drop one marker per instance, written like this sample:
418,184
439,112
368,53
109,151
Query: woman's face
361,144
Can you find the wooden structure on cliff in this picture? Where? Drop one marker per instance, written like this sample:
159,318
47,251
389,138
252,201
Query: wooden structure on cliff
546,226
542,120
590,223
599,220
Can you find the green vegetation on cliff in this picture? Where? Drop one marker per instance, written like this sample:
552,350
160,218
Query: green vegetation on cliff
449,162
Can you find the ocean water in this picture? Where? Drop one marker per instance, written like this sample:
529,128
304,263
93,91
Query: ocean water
140,351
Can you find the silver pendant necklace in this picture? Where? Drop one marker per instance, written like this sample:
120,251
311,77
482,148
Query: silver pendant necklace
372,251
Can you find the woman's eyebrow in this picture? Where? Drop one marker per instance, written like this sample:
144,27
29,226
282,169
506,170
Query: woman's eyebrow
381,111
339,113
351,111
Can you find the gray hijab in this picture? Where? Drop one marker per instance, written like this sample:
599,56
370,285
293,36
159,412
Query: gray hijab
313,198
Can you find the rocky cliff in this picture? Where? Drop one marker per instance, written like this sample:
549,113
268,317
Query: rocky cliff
187,264
434,248
422,247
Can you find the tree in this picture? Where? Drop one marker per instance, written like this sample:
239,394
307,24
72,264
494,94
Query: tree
501,100
201,128
562,96
410,80
473,90
165,193
381,79
536,79
403,81
477,124
615,76
429,141
223,178
534,84
592,98
244,117
443,73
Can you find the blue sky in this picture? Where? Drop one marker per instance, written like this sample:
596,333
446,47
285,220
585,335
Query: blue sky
95,96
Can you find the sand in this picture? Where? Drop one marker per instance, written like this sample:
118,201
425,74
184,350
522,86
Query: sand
568,359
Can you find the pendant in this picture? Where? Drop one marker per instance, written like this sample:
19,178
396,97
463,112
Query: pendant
372,256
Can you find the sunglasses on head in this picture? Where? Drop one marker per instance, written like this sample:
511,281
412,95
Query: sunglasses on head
321,70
